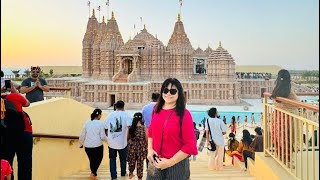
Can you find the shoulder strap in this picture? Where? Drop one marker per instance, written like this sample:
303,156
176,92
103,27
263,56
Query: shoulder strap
181,126
165,123
209,129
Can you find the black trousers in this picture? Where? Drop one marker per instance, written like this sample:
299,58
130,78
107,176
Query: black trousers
180,171
95,156
247,154
22,147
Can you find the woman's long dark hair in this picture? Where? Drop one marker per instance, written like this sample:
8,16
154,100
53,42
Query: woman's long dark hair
181,102
136,118
233,120
283,84
231,135
246,139
95,113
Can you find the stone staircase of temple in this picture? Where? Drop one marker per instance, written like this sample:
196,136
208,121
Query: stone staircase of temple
122,78
199,171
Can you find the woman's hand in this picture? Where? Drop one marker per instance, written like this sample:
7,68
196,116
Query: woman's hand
150,156
163,163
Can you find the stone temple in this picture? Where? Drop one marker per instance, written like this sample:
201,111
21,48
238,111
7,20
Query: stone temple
132,71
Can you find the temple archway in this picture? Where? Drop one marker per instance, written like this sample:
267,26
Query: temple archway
127,66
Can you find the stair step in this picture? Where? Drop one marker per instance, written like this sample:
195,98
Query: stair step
199,171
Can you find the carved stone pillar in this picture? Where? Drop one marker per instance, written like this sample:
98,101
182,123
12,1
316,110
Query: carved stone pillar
96,93
130,94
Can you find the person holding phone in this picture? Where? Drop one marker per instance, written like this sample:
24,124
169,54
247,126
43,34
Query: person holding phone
21,141
34,86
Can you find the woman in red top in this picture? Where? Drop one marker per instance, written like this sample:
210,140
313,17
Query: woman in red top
171,134
233,125
24,144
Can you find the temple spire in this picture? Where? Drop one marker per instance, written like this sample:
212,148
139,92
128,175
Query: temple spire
220,44
144,27
93,13
103,19
112,16
179,17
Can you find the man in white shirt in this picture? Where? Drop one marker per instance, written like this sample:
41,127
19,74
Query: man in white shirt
117,124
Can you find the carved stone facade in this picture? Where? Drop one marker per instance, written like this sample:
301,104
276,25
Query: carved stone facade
131,71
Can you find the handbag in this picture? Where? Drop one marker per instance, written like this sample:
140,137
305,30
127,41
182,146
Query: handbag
212,144
152,170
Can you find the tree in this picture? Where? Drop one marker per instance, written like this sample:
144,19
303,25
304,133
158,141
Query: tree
51,72
27,73
16,73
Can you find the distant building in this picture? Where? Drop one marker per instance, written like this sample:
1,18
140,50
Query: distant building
132,71
8,74
62,70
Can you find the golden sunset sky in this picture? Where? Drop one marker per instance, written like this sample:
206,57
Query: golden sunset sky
273,32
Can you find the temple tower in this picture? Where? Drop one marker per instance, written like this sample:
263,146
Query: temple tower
87,45
181,51
111,42
102,32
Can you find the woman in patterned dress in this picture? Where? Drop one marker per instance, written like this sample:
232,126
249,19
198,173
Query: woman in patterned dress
137,145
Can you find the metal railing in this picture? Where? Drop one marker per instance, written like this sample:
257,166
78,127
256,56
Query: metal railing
37,137
291,136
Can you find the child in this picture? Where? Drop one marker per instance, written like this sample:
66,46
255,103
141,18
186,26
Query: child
6,170
245,121
238,120
253,121
137,145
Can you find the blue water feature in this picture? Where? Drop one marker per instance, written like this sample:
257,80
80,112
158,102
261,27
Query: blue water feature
309,98
198,116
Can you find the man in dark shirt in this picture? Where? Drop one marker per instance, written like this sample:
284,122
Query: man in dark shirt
34,86
256,146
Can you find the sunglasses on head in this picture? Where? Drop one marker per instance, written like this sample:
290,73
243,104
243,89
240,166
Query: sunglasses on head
172,91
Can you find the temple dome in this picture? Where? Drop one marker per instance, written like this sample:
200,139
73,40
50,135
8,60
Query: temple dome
208,51
199,52
145,36
220,54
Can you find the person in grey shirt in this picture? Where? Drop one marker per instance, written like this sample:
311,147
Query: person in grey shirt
34,86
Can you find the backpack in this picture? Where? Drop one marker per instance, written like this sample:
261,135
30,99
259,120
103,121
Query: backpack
197,133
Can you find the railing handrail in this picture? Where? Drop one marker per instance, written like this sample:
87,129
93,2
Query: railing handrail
295,103
307,93
60,88
54,136
291,138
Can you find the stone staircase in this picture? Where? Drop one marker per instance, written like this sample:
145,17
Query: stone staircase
199,171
